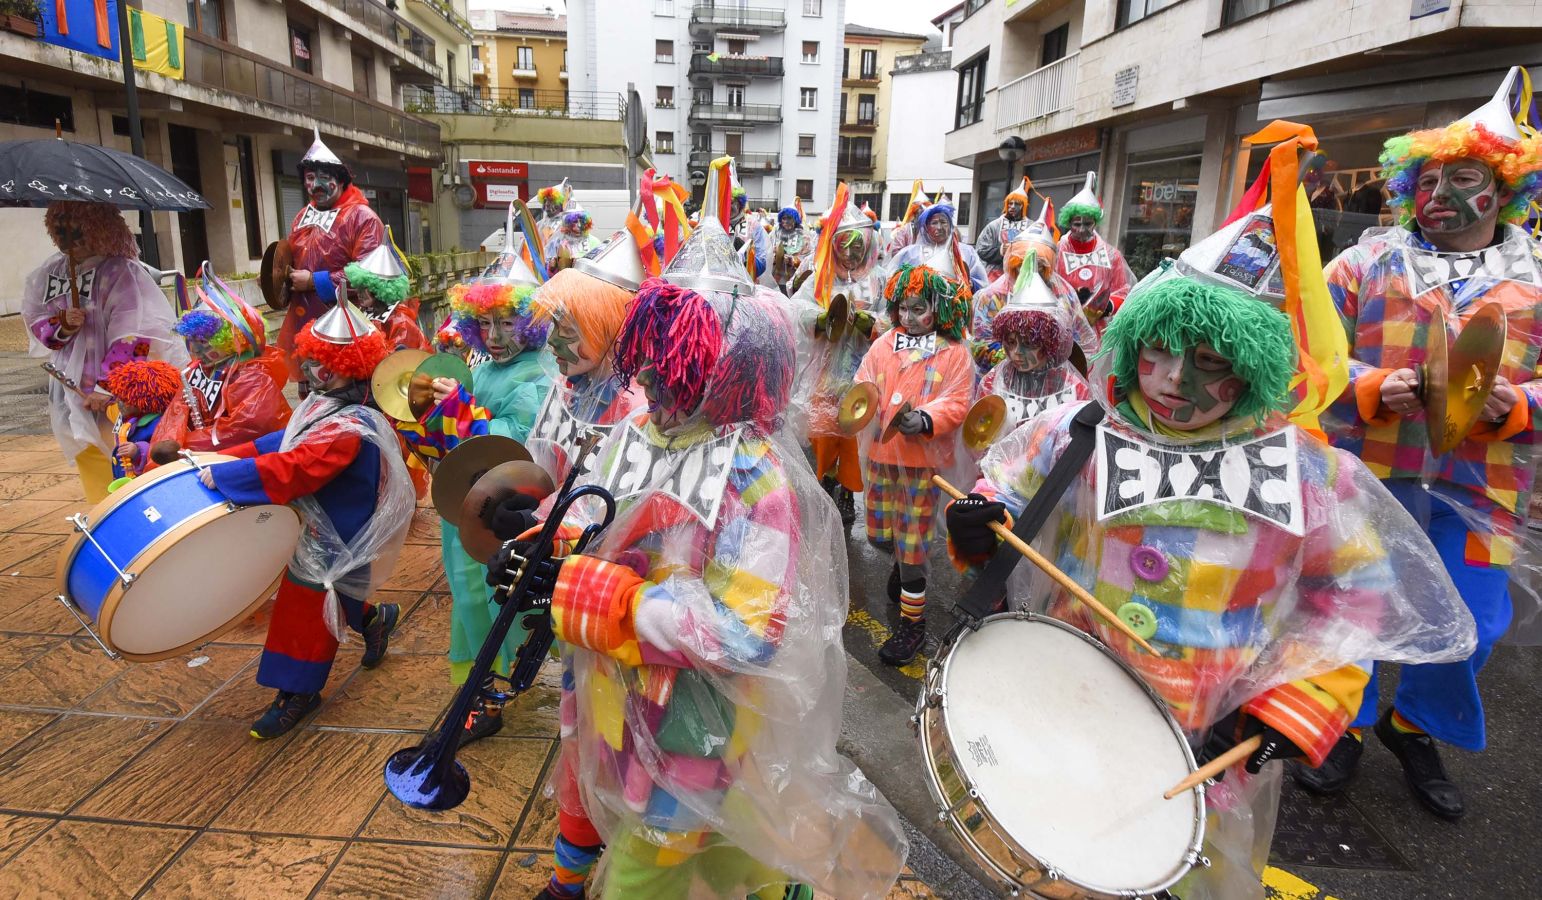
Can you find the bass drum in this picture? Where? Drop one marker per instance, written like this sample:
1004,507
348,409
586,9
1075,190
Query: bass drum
1048,757
165,564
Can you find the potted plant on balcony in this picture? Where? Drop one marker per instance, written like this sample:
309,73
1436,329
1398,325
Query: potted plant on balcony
20,16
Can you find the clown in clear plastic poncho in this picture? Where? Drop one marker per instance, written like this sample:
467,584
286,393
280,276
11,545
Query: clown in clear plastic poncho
938,247
571,240
702,630
1093,267
1261,564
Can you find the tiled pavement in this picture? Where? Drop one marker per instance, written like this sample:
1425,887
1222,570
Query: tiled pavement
122,779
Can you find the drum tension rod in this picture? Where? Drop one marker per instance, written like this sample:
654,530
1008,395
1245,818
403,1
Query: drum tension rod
75,611
82,526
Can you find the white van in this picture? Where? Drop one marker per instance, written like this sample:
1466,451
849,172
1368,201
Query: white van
607,208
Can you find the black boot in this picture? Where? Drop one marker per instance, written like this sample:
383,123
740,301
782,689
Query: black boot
906,641
1422,769
846,502
1336,772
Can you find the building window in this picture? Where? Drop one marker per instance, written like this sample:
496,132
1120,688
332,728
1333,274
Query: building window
449,68
971,92
1056,42
300,44
738,47
811,51
869,64
664,142
664,51
245,156
39,109
736,95
804,189
207,17
701,141
867,109
664,98
805,145
808,98
701,46
845,62
525,57
842,119
363,75
1237,10
1132,11
899,201
527,98
813,8
963,207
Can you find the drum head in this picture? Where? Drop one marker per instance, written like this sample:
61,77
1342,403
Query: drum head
192,586
1070,753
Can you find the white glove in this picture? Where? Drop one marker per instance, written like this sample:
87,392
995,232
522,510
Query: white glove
656,624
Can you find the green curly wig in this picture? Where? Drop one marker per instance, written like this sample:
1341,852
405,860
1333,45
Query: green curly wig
1071,210
1181,312
950,300
389,291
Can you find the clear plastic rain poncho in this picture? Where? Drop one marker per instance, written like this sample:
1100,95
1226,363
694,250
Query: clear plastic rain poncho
955,260
1392,290
572,240
984,343
123,307
1035,374
1264,556
356,567
707,713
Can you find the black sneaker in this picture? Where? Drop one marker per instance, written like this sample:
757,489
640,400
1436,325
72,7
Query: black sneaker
846,502
1422,769
1336,772
830,486
285,713
377,634
903,645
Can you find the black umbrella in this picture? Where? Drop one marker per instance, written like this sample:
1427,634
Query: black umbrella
40,172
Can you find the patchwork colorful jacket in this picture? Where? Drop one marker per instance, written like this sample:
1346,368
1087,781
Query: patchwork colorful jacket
934,375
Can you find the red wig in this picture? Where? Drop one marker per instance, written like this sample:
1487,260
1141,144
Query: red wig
356,359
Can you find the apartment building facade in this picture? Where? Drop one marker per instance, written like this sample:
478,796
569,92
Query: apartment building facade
921,113
867,107
759,82
1157,96
520,59
234,119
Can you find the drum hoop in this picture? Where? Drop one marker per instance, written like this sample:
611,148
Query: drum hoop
154,551
981,805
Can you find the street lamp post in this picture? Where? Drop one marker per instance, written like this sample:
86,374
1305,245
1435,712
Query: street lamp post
1011,150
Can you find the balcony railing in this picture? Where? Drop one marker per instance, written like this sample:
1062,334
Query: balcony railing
477,67
862,123
520,71
386,24
769,204
447,11
709,15
762,66
1042,92
736,114
856,162
488,101
859,79
747,163
215,64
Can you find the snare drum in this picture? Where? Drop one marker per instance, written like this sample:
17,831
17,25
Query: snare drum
1048,757
165,564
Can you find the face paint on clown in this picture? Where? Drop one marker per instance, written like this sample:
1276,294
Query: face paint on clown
1188,390
208,356
663,408
1015,209
322,188
320,379
916,316
574,356
1082,229
787,222
1457,204
938,228
551,209
500,334
850,251
1023,355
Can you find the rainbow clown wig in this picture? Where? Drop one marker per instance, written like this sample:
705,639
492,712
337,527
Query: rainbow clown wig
577,222
1516,164
204,325
949,300
1179,313
148,385
1037,328
499,299
553,194
732,359
102,229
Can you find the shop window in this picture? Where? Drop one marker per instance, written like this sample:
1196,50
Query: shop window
1161,189
1054,45
1132,11
1237,10
971,92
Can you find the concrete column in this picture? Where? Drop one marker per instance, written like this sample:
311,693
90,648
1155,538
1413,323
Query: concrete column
1215,168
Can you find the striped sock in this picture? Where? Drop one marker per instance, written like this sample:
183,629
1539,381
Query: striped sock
572,868
1403,726
912,604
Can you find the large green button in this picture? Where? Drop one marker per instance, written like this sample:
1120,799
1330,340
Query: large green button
1140,618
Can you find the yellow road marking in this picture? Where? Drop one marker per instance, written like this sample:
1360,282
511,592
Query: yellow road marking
879,632
1281,885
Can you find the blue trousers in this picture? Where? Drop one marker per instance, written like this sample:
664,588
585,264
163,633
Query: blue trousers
1443,698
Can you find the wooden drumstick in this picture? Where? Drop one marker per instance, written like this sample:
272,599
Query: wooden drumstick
1216,766
1053,571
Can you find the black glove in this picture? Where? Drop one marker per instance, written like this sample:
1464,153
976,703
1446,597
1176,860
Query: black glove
1237,727
510,517
969,524
502,571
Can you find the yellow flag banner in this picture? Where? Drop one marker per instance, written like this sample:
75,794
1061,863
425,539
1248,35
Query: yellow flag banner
156,43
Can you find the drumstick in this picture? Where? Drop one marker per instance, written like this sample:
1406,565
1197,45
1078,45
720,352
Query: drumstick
1054,572
1216,766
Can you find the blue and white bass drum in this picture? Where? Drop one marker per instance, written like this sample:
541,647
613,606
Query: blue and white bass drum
165,564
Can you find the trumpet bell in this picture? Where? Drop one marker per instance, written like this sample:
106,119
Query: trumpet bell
420,778
857,407
986,418
1472,363
391,383
462,467
500,482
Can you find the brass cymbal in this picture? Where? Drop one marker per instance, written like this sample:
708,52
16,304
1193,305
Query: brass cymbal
1471,365
985,421
391,381
277,261
501,481
891,429
470,460
857,407
420,395
838,317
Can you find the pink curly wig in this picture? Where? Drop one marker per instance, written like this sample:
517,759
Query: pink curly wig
676,330
1517,165
102,229
1036,328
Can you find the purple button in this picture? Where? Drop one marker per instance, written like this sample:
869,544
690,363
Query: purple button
1148,563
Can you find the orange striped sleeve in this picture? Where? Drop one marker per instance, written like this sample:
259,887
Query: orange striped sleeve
1312,712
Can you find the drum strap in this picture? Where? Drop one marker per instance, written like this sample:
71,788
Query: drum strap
985,594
